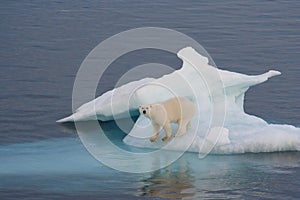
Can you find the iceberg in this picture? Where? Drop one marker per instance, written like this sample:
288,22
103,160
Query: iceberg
220,126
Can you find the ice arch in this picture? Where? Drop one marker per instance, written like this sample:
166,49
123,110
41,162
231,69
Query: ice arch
244,132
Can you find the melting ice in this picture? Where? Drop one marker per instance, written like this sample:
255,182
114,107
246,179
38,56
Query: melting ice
220,125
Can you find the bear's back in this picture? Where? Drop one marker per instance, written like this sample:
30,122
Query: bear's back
178,108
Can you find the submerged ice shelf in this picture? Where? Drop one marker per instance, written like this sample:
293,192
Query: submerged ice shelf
206,86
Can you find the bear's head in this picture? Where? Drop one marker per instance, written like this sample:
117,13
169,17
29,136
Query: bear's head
145,110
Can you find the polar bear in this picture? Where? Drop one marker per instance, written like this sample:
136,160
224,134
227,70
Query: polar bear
178,109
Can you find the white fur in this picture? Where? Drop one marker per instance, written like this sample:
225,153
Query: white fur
179,110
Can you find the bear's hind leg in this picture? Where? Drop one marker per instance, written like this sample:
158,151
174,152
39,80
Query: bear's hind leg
156,129
168,131
188,124
181,128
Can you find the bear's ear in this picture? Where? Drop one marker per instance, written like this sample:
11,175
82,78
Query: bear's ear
140,106
150,106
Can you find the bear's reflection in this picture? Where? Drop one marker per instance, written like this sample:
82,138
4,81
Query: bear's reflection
174,181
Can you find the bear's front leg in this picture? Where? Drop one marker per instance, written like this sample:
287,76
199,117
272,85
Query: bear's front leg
156,129
168,131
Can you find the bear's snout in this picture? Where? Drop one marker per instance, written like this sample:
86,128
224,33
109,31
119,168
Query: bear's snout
144,111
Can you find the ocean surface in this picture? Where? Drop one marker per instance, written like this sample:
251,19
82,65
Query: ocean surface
43,43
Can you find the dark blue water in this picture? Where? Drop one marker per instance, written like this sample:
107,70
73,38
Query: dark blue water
42,45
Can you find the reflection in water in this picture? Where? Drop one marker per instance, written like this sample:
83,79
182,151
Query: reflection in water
244,176
174,181
220,177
